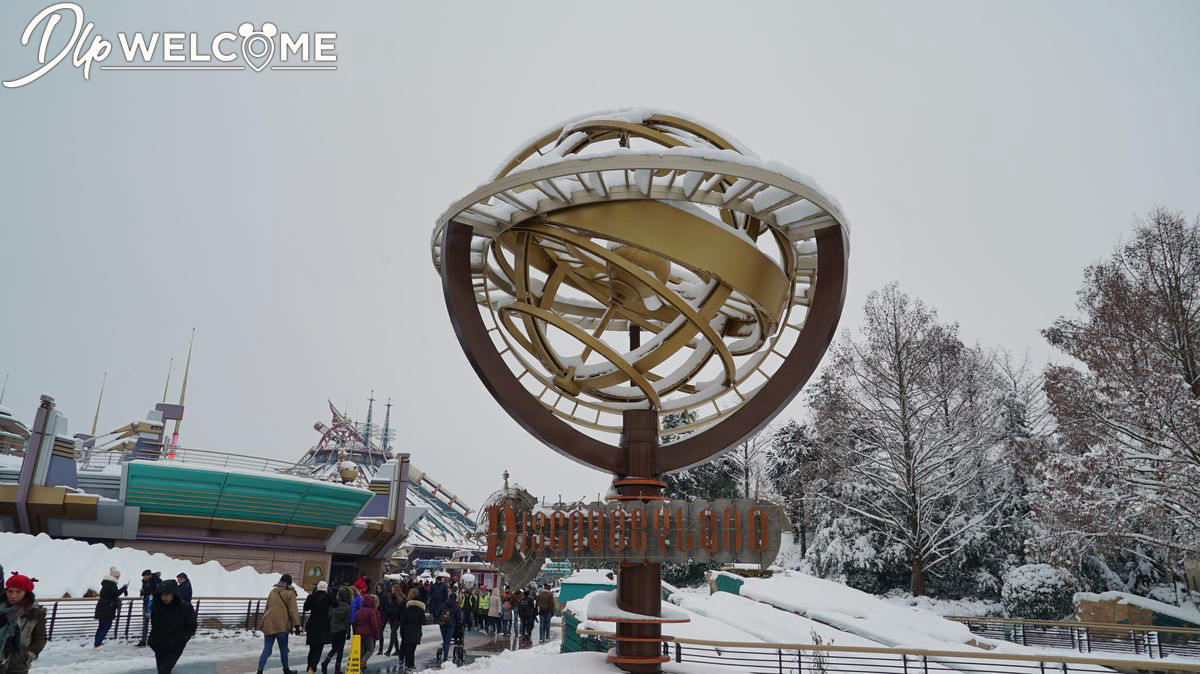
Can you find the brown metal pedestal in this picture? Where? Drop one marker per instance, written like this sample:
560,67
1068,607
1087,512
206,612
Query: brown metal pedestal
639,585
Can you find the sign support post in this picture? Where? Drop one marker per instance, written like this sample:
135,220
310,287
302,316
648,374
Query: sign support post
639,584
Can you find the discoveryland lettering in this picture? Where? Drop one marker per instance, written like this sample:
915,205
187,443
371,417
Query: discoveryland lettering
178,51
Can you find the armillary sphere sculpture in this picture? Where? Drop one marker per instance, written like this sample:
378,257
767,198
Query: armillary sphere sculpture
637,274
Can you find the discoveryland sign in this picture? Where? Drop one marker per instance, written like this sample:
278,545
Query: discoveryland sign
722,530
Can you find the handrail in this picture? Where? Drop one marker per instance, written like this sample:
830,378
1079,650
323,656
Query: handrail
132,597
1072,623
1158,665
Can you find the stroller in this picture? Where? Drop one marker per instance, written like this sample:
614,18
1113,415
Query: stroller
459,653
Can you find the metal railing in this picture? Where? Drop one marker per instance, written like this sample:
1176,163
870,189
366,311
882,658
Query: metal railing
1148,641
765,658
200,457
74,618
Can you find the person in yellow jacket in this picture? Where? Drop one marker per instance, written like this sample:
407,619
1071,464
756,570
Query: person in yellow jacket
482,612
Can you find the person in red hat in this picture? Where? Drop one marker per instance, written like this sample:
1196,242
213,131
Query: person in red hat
22,625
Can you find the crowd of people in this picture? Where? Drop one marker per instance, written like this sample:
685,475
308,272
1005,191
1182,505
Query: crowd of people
332,617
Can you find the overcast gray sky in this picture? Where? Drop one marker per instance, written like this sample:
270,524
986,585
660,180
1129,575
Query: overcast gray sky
984,153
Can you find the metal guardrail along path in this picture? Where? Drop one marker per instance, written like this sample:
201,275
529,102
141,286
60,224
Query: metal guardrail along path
1146,641
766,658
73,618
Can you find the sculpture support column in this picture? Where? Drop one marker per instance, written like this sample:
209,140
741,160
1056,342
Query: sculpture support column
639,585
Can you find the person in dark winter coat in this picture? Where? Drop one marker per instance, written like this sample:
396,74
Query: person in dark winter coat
368,627
437,596
150,582
339,626
447,620
393,606
172,624
185,587
22,625
527,609
108,604
317,630
411,623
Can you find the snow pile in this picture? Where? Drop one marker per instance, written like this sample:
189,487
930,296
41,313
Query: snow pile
1185,613
945,607
603,606
748,621
862,614
67,567
699,626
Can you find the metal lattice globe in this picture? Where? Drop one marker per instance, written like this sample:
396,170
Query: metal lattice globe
642,226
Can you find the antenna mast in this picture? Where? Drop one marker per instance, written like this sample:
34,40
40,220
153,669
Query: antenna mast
387,423
96,418
367,429
170,365
183,391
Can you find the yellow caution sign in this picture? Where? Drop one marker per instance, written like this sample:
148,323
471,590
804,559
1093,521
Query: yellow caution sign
354,662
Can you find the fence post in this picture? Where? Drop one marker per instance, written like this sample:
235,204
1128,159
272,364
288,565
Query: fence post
196,610
904,662
1088,635
53,615
1158,638
1022,627
129,616
1133,638
257,613
800,662
678,652
925,664
779,652
247,623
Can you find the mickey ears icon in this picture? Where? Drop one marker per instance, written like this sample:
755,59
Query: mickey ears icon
247,29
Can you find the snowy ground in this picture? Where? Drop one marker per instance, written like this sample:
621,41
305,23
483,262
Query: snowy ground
203,654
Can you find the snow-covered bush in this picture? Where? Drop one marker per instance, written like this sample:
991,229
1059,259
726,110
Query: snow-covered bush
1038,592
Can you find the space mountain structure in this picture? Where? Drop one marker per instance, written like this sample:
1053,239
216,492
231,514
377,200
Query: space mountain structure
350,506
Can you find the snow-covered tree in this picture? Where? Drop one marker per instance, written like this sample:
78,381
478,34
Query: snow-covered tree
908,409
1127,477
792,467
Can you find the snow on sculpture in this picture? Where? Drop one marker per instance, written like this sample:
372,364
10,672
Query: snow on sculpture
637,222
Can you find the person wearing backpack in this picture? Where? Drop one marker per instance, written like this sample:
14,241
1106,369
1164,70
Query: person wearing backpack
447,620
527,610
368,627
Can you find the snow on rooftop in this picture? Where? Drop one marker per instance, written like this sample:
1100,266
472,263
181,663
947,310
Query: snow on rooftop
590,577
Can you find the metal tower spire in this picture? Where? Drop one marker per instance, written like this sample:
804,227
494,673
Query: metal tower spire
387,423
170,365
96,418
183,390
367,429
